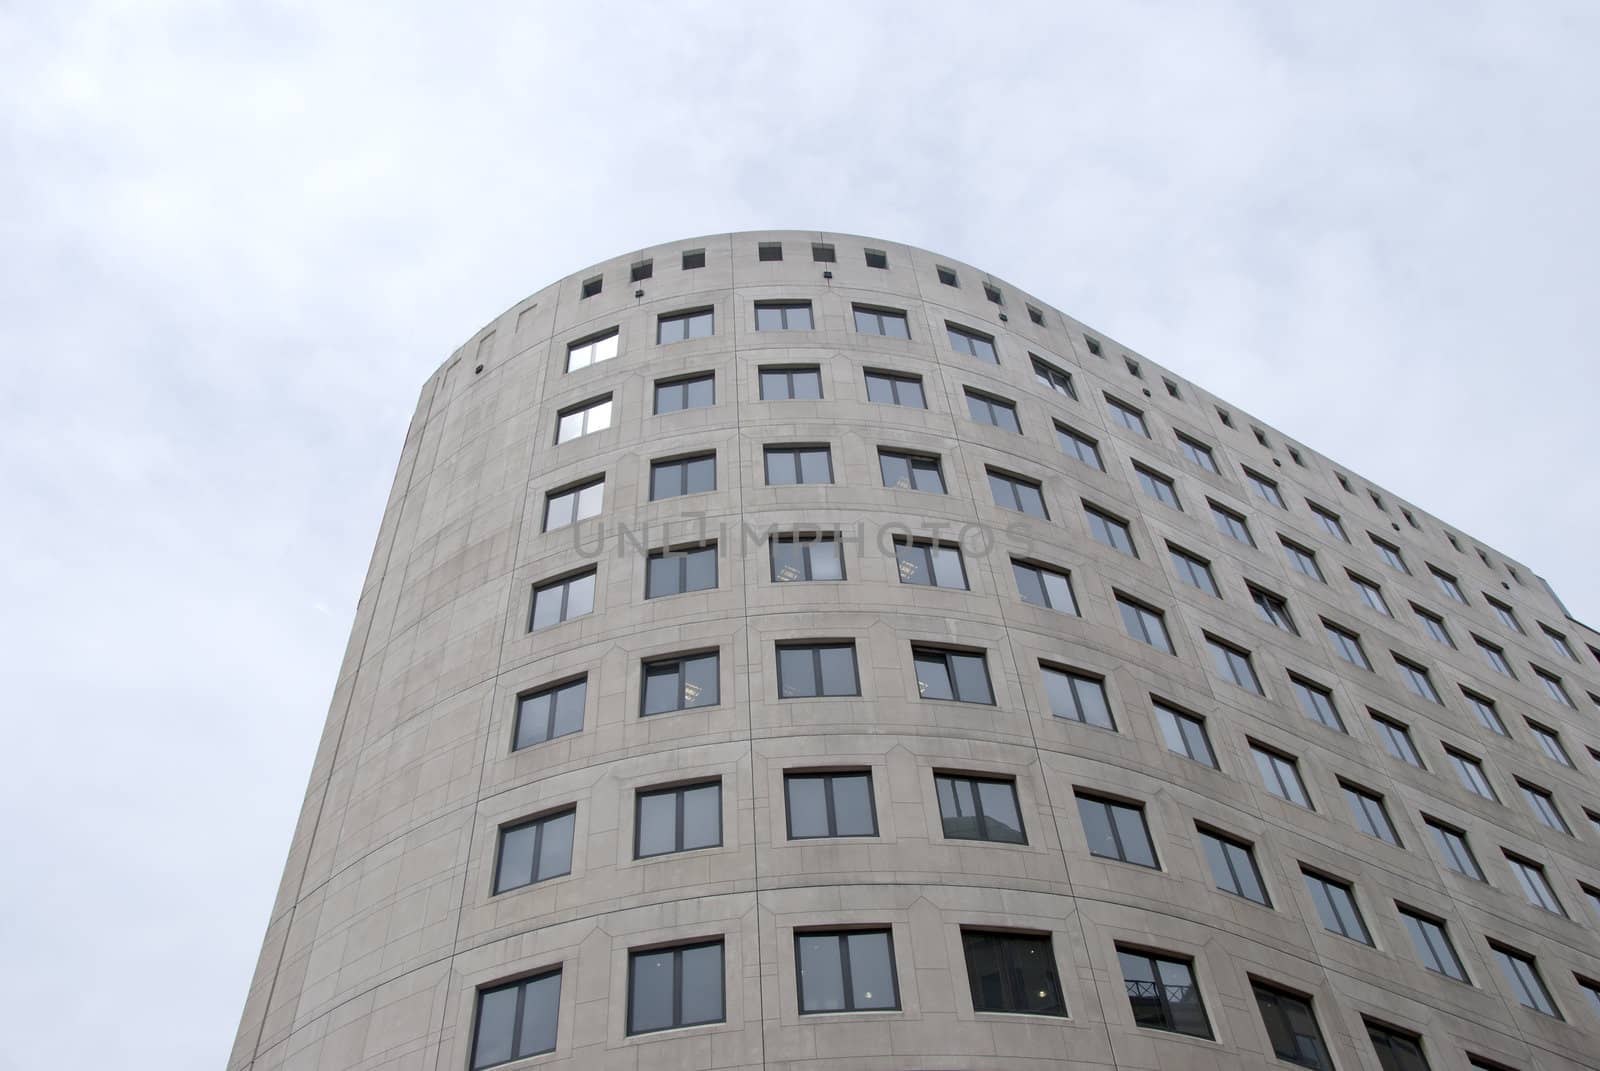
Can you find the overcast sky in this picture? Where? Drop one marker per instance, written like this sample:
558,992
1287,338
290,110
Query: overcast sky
235,242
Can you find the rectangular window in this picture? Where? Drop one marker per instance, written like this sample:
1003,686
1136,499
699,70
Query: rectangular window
680,476
877,258
1265,489
1076,444
801,384
1194,571
1274,610
1077,697
1495,656
575,503
894,388
1390,553
845,972
534,851
952,675
1454,849
996,412
683,818
1317,703
1417,680
808,670
592,350
1559,642
979,808
640,270
1336,906
1184,733
591,287
686,392
1111,531
516,1021
1433,625
1470,771
1093,345
682,326
1233,866
1522,975
972,343
911,472
562,600
1484,708
681,682
1144,623
946,276
1397,1050
890,323
1280,774
1172,388
1347,644
1302,560
993,294
1330,522
1231,524
1371,816
823,253
1054,378
1397,740
1292,1026
670,988
1233,664
694,258
1447,584
1370,594
1163,993
550,712
769,250
1012,972
1126,415
805,557
1535,885
1199,454
1017,493
676,572
787,465
1553,687
1544,808
1116,830
1507,616
1040,585
931,564
1036,315
830,805
1157,486
1433,944
583,418
1550,743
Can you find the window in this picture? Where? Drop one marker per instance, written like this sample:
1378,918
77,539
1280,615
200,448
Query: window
683,818
1126,415
1231,524
783,316
675,572
1233,663
1292,1026
680,683
591,287
1194,571
1390,553
1550,743
979,808
641,270
573,504
1172,388
1447,584
1344,482
952,675
1012,972
1317,703
1330,521
1559,642
1157,486
1535,885
791,384
675,987
1348,644
1397,1050
583,418
1273,609
1303,560
805,557
1116,830
1454,849
1265,489
911,472
1036,315
830,805
1077,697
1544,808
769,250
1281,775
1370,594
1198,453
694,258
562,600
1295,454
1478,1063
947,276
550,712
1591,990
1376,501
890,323
932,564
1040,585
1522,975
1507,616
681,326
823,253
1018,493
517,1020
1486,712
1470,771
1144,623
798,464
845,972
1163,993
1417,680
1133,367
1261,436
533,851
1433,625
1397,740
1093,345
1053,377
1433,944
680,476
1371,816
892,388
1336,906
876,258
987,409
971,342
689,392
1233,866
807,670
1076,444
592,350
993,294
1184,733
1495,657
1553,687
1110,530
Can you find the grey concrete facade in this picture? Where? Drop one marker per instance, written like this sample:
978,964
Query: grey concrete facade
387,926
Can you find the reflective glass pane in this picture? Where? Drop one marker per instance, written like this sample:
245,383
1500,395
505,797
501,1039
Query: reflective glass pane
533,718
972,678
815,467
958,808
702,817
1135,840
658,817
701,569
933,677
580,595
852,805
821,972
808,807
1000,817
700,680
1097,828
702,984
661,687
825,561
497,1019
796,672
871,971
555,850
541,1002
516,857
839,670
650,992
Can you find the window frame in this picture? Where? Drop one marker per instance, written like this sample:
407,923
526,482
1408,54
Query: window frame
1161,990
847,988
881,317
895,381
1230,849
805,542
914,463
585,409
921,652
969,342
1111,806
1010,970
689,318
537,822
783,308
796,453
523,987
681,557
685,382
678,792
679,665
554,691
677,950
830,801
815,648
980,818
